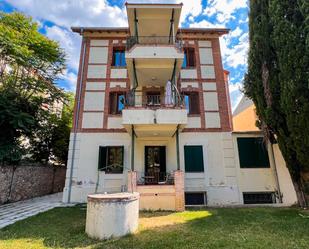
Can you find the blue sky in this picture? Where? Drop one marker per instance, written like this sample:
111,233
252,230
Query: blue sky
57,16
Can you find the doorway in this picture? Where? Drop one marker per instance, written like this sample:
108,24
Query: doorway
155,164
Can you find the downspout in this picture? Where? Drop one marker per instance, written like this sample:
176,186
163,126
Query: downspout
132,148
275,171
135,22
76,119
177,147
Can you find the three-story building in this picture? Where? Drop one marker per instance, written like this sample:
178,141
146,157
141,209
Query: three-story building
153,114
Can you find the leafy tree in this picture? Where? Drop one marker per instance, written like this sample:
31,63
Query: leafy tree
278,79
29,65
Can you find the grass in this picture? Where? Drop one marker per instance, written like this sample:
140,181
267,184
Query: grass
211,228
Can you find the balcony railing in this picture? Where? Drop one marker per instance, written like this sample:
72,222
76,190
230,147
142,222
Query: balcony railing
153,101
153,40
155,178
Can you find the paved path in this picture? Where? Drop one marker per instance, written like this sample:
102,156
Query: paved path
12,212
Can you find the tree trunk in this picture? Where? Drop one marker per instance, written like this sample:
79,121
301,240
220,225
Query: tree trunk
300,193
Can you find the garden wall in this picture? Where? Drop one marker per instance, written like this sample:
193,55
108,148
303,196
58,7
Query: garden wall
28,181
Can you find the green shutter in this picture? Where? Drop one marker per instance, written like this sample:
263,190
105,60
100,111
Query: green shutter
102,158
194,161
252,152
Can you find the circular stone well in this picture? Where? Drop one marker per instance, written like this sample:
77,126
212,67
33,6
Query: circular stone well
112,215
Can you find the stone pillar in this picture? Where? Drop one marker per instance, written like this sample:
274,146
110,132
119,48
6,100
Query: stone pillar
179,190
132,180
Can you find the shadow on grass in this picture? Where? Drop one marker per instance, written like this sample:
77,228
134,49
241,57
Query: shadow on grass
216,228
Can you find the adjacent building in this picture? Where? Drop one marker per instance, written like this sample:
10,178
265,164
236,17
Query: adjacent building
153,115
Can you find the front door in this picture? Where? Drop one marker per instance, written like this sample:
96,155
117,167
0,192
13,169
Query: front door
155,164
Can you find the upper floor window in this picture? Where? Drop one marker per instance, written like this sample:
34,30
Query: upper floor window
119,59
189,58
116,102
192,102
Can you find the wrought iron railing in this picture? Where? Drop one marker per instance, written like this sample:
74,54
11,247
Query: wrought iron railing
153,101
155,178
153,40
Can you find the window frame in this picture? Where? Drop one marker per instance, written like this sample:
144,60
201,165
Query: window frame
256,161
117,94
199,170
103,165
122,58
190,51
191,111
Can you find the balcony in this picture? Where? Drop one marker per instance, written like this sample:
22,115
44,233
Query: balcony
151,117
152,60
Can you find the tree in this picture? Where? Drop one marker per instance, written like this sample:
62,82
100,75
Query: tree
278,79
29,65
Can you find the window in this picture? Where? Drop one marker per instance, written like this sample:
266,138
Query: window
194,161
189,58
259,198
111,159
192,103
252,152
119,59
116,102
195,198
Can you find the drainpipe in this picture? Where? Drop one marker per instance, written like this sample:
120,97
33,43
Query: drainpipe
132,148
76,119
177,147
272,155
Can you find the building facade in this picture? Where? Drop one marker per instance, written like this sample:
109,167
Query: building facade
153,114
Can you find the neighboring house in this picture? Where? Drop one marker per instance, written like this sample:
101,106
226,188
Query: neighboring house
270,172
153,115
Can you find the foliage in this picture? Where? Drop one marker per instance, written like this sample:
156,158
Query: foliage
212,228
278,78
29,65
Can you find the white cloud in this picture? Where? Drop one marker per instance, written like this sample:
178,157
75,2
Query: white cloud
71,79
235,55
205,24
69,41
224,9
235,87
69,13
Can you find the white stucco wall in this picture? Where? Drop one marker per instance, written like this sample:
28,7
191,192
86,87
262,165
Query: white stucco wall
85,171
98,54
211,101
206,56
209,86
264,179
208,72
114,123
92,120
96,71
94,101
189,84
188,73
117,84
119,73
212,120
95,86
95,42
194,122
204,43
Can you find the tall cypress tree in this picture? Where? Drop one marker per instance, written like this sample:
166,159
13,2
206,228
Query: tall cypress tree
278,79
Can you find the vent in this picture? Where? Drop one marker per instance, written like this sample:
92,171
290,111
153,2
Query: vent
259,198
195,199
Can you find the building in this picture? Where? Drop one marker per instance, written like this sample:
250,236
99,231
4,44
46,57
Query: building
265,178
153,114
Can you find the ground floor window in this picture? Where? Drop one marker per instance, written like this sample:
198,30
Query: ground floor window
111,159
194,161
259,198
252,152
195,198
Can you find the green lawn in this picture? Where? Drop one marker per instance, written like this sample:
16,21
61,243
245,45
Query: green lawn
214,228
